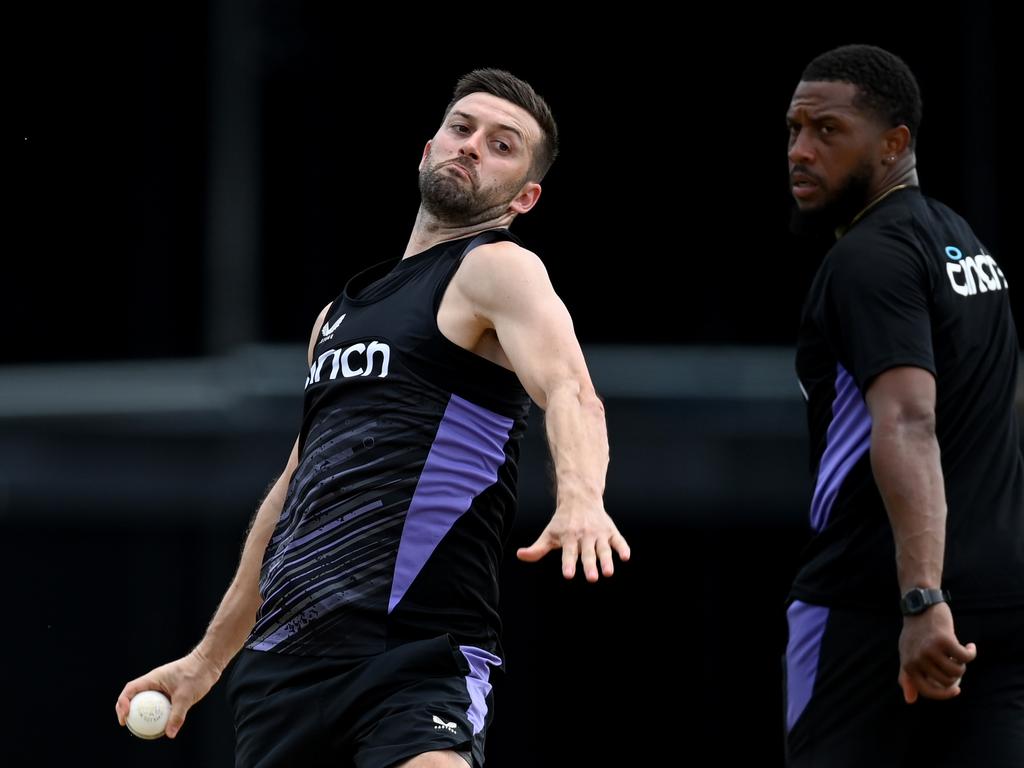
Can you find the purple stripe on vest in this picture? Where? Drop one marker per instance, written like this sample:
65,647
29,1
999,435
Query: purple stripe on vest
848,439
464,459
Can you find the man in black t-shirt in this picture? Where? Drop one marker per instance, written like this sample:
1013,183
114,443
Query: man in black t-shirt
908,359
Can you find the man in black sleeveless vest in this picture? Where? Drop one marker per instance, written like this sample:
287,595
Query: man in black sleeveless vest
908,358
365,603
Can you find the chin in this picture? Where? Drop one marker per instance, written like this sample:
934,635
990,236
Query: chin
821,200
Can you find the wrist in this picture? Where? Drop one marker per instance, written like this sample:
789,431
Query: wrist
917,600
208,659
577,492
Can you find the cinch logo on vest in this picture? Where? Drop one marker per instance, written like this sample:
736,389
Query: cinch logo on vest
974,274
353,360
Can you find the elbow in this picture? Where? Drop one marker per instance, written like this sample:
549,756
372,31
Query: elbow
909,420
918,417
576,397
591,402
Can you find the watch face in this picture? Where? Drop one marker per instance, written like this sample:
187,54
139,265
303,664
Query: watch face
918,600
914,601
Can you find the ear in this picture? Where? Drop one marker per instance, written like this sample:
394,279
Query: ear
426,151
895,141
527,197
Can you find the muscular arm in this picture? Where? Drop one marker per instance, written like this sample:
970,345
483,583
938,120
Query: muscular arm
236,614
509,292
905,462
907,469
188,679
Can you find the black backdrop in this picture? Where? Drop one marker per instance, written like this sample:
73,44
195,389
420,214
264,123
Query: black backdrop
147,146
188,180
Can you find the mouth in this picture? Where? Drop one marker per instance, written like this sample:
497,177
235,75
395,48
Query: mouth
803,185
461,170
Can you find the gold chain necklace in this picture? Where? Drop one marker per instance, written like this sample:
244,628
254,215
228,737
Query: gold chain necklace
843,230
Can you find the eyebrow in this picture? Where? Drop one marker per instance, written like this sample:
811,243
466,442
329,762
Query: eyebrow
503,126
828,114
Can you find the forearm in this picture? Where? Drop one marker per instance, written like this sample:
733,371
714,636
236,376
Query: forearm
907,468
578,438
236,615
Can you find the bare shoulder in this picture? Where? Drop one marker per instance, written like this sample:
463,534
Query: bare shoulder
316,326
504,257
497,270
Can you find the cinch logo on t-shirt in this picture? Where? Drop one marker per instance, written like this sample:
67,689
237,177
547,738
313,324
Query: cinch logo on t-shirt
354,360
973,274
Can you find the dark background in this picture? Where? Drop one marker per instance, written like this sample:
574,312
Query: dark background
188,186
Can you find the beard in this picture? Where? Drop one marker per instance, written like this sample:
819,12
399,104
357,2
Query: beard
458,201
847,202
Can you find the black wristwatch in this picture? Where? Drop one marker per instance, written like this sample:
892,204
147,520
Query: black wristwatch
919,600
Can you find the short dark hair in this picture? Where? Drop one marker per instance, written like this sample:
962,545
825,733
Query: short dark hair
885,84
505,85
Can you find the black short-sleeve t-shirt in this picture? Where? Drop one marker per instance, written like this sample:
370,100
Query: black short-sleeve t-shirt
911,285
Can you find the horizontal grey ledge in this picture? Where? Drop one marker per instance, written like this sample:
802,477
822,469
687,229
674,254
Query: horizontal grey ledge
697,435
213,384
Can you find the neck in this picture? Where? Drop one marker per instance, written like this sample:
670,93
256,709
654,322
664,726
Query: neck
428,230
901,178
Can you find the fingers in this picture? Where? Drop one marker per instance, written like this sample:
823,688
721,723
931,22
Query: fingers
591,551
536,551
570,551
179,704
945,669
602,548
588,556
121,708
909,691
917,684
933,676
945,665
932,688
964,653
932,660
620,546
124,699
595,551
604,554
178,712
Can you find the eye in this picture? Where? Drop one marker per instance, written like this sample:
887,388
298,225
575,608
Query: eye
827,129
459,128
503,147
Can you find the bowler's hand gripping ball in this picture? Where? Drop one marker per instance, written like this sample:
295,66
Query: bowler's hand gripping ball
147,714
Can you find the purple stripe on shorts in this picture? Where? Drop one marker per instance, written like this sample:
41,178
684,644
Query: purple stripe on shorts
806,628
477,683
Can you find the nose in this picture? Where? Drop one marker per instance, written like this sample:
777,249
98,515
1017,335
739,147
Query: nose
471,145
800,150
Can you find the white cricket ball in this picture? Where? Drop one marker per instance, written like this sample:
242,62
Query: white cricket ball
147,714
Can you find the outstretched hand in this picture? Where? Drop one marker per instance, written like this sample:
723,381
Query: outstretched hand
583,533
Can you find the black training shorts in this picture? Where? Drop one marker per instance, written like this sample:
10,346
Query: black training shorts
845,709
317,711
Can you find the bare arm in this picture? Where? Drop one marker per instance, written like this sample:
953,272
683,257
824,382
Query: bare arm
190,678
509,291
906,465
236,614
905,462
